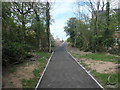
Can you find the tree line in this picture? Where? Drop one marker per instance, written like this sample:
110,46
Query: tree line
25,28
96,34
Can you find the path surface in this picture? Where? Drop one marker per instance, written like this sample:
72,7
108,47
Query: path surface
64,72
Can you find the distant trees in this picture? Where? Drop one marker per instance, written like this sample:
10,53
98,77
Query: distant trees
95,34
77,30
25,27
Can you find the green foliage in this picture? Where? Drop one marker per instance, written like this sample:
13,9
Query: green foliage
79,43
78,32
24,29
13,52
13,49
95,35
70,29
109,42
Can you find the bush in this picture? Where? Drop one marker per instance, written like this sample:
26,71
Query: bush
12,52
115,51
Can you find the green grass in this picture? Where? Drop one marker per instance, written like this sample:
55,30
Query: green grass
99,56
36,72
43,54
76,55
103,78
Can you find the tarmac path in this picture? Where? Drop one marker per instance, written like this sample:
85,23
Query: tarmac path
64,72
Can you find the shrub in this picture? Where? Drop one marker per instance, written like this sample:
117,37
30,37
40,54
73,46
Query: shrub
12,52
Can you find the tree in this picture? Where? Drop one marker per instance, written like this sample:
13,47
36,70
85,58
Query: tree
25,28
12,45
37,12
48,25
70,29
94,33
78,32
20,11
108,34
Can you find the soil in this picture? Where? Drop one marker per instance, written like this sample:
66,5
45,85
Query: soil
13,79
13,75
77,51
57,43
98,66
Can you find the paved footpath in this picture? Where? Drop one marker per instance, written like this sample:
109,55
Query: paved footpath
64,72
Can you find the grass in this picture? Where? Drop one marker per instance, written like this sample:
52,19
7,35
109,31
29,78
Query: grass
103,78
36,72
76,55
99,56
43,54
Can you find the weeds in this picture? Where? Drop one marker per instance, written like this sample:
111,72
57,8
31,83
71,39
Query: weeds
99,56
36,72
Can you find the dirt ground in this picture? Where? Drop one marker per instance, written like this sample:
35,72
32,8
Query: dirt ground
98,66
20,72
57,43
13,79
77,51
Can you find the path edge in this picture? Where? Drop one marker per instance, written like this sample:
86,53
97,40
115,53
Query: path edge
44,71
85,70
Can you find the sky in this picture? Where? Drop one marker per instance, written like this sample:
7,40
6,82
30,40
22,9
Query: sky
62,11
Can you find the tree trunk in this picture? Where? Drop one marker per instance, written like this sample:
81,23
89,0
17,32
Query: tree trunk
50,46
48,25
23,25
38,35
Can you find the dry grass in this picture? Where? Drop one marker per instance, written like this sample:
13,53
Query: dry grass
97,65
13,79
100,66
